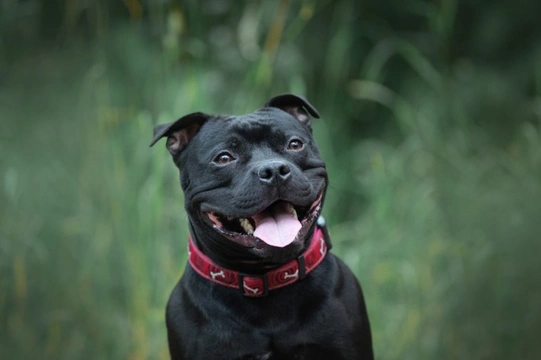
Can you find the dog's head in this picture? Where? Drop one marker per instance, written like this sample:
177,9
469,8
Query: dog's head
254,184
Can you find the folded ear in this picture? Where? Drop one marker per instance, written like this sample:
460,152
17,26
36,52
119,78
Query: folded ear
179,132
295,105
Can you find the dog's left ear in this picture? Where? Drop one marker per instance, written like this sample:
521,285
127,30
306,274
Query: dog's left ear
297,106
179,132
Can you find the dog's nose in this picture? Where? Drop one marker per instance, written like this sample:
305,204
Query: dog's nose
274,172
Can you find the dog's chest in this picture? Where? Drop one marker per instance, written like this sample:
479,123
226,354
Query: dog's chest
287,346
291,355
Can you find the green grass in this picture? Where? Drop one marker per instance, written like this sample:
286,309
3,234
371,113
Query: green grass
434,164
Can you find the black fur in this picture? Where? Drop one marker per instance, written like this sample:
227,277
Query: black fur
320,317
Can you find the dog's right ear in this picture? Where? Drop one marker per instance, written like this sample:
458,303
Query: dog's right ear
295,105
180,132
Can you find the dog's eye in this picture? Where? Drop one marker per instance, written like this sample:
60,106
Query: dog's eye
295,145
223,158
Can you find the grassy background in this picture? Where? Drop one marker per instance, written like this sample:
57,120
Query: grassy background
431,132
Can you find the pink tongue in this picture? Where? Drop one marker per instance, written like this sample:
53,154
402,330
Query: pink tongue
276,226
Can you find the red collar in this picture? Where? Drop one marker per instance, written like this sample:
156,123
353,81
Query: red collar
259,285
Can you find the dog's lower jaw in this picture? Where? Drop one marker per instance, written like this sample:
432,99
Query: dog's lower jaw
234,256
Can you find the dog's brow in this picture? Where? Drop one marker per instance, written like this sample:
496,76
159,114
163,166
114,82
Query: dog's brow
258,132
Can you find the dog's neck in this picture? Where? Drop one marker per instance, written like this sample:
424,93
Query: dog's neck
257,285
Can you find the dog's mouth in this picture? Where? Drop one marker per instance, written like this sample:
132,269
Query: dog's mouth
278,225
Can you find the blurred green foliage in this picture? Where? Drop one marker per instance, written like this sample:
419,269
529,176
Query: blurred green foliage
431,132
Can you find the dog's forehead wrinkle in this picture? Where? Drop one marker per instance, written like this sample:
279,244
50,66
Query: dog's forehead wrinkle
267,125
254,130
249,128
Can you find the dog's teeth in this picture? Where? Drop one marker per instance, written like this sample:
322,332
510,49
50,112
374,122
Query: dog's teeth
291,210
247,226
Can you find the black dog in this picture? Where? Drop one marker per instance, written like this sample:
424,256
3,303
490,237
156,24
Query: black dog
260,283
